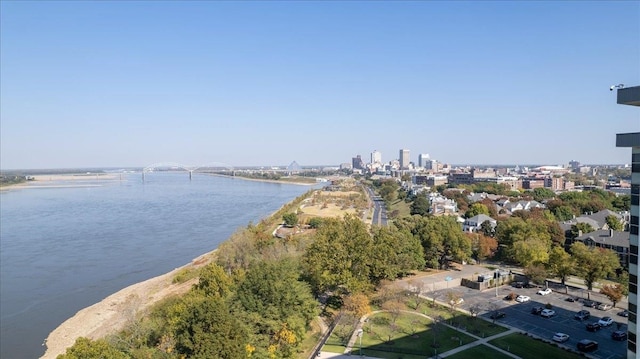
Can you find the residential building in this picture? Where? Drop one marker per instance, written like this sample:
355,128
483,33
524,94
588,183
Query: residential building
474,224
631,96
404,159
609,239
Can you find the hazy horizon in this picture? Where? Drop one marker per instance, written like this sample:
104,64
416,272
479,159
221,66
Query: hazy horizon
126,84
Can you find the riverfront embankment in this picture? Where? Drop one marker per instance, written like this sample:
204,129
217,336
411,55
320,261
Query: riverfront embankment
119,309
114,312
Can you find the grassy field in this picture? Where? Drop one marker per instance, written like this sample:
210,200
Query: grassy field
401,206
479,352
529,348
409,334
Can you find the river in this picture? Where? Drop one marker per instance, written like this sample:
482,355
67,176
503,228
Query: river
65,248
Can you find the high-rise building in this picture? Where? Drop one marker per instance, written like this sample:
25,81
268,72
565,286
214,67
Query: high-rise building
356,163
404,159
423,158
376,157
631,96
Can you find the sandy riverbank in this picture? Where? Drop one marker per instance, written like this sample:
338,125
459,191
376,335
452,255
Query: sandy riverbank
64,180
117,310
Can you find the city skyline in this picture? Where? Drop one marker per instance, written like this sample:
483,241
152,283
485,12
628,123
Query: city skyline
119,84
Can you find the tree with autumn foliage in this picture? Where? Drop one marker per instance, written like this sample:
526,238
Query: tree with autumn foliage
357,304
614,292
594,263
483,247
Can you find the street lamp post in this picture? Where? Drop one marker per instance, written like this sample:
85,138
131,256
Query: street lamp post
360,335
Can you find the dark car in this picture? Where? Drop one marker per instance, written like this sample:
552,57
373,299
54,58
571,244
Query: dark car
590,303
537,310
497,315
570,299
593,327
582,315
624,313
587,345
619,335
518,284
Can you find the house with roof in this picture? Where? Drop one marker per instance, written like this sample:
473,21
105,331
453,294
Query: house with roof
522,205
609,239
474,223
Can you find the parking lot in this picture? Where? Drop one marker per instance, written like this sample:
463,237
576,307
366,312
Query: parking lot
519,315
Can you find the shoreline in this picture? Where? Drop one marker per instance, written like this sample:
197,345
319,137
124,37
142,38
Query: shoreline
117,310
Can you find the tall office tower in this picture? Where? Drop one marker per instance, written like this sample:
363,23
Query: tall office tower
404,159
423,158
376,157
631,96
357,163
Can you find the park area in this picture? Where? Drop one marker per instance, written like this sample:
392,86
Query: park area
413,329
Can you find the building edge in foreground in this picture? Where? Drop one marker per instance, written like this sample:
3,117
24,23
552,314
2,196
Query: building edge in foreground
631,96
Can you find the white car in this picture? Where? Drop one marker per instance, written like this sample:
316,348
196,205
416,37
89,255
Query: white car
548,313
605,321
544,291
522,298
560,337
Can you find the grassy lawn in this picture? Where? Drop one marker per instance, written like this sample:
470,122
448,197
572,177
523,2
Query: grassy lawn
403,208
409,334
527,347
479,352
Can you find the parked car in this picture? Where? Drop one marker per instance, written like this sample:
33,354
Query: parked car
587,345
560,337
548,313
582,315
518,284
590,303
619,335
523,298
544,291
605,321
604,306
570,299
456,301
497,315
536,310
593,327
624,313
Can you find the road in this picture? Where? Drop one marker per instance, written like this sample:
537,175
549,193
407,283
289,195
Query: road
379,216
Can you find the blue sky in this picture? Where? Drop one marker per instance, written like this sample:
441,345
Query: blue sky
119,84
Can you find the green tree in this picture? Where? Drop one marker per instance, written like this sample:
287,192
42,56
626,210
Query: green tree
394,253
290,219
315,222
536,273
487,229
594,263
564,213
540,194
442,239
208,329
476,209
214,281
339,256
580,228
561,264
613,222
85,348
420,205
530,251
